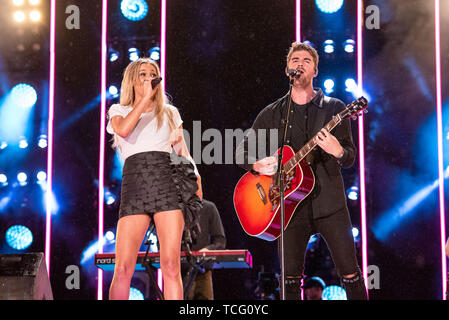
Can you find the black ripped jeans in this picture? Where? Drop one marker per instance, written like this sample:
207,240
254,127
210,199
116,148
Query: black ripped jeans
336,229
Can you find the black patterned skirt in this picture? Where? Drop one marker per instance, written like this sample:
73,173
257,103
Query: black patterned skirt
157,181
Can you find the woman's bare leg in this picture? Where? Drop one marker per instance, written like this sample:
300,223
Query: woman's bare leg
130,233
170,227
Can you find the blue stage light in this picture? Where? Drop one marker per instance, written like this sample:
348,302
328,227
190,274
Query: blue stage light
349,45
42,141
110,236
19,237
329,46
334,293
329,6
135,294
113,55
41,176
351,85
353,193
3,179
22,177
355,232
109,198
329,85
134,10
23,143
24,95
155,53
307,42
113,91
3,145
133,54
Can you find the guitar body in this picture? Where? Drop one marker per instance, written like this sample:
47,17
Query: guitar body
256,199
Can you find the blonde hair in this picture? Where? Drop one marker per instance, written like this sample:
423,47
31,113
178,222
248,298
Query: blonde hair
128,96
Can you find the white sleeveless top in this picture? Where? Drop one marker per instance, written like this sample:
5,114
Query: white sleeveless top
145,136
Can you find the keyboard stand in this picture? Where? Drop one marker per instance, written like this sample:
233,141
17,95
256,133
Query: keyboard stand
151,270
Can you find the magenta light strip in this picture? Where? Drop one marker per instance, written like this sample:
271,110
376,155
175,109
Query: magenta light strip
298,20
440,146
163,37
362,143
104,52
160,281
51,109
298,39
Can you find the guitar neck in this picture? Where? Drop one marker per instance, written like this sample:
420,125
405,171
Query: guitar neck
309,146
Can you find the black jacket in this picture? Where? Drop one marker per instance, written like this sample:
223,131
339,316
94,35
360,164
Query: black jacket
328,195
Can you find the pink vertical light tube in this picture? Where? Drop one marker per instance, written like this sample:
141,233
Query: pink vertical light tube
298,39
298,20
440,146
51,107
163,37
104,52
163,73
362,143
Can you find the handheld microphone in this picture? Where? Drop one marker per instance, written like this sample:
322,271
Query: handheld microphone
294,73
155,82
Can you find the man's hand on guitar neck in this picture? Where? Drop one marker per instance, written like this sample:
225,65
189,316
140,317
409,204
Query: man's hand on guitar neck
266,166
329,143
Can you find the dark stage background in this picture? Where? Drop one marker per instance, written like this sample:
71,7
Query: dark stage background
225,62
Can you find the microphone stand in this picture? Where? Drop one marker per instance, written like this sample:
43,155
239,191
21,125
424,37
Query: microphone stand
280,174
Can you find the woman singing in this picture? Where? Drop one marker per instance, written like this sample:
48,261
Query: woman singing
146,129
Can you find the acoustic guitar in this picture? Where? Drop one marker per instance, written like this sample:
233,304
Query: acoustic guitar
256,197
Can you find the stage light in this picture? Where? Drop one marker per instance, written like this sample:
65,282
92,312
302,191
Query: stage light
329,6
334,293
329,85
23,143
34,2
349,45
135,294
35,15
19,16
3,179
24,95
133,54
155,53
18,2
113,55
41,176
309,43
355,232
134,10
42,141
19,237
353,193
110,236
22,178
329,46
113,91
109,198
3,145
351,85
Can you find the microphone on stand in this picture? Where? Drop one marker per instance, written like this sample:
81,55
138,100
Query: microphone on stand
294,73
